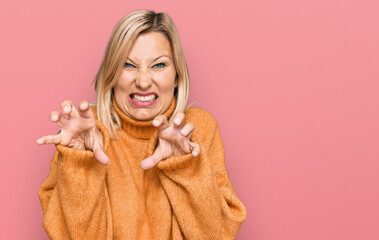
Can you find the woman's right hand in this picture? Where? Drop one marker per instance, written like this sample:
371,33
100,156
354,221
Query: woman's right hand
78,130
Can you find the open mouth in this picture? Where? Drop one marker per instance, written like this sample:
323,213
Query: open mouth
148,98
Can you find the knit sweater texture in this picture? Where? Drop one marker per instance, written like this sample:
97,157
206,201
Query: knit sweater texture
182,197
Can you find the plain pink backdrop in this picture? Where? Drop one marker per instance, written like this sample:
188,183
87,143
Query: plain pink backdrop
293,84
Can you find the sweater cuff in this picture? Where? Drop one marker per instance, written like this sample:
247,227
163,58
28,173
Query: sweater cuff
178,162
82,157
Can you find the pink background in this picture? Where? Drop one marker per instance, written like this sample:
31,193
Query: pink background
293,84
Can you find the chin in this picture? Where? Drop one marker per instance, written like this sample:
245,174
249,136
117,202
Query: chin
143,117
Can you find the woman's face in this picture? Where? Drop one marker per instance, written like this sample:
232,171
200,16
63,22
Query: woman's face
146,86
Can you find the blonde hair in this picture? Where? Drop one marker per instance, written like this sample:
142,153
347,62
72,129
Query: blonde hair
119,45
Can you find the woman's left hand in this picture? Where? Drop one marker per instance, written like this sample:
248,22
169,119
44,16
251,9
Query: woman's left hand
173,140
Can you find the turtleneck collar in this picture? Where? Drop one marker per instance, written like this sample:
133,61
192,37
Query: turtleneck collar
138,128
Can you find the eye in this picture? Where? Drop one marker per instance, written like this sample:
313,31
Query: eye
160,64
127,64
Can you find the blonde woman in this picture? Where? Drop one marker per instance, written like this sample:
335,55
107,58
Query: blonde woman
133,166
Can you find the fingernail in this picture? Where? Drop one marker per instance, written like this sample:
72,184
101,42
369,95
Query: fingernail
195,153
66,109
39,140
54,117
184,131
155,122
177,120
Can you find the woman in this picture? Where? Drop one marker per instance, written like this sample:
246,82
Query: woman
134,166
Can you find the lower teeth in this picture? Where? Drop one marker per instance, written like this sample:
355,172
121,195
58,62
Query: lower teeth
143,100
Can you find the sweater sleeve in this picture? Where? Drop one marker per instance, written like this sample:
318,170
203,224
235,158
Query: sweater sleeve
74,197
199,188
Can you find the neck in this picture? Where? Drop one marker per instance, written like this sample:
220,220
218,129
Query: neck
138,128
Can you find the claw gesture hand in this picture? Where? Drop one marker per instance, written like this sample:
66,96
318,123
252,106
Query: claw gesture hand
78,130
173,140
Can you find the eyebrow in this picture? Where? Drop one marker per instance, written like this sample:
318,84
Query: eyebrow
153,59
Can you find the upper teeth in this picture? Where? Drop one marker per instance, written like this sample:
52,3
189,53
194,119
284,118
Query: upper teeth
143,98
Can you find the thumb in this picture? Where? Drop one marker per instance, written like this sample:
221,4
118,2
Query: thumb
100,156
151,161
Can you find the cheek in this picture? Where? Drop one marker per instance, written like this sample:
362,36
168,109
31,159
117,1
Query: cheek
124,82
166,80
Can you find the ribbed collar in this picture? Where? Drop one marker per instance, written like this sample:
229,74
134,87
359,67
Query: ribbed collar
140,129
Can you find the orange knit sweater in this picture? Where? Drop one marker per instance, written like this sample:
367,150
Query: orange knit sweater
183,197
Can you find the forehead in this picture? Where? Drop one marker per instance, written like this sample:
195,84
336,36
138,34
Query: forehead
149,46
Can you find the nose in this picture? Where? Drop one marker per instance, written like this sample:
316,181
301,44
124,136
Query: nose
143,79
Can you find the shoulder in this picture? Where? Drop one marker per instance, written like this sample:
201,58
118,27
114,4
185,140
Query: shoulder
200,115
205,124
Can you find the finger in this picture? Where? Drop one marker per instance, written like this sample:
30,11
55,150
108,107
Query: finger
50,139
84,110
160,122
184,144
179,119
196,149
187,130
57,117
151,161
100,155
69,109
